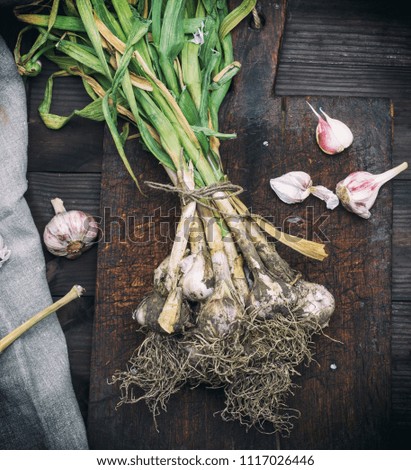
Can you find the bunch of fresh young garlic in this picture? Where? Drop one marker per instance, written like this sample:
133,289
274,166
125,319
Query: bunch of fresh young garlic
218,268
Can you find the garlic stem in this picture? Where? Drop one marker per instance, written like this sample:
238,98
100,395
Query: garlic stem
58,205
278,267
237,227
216,244
179,245
197,236
74,293
390,174
236,263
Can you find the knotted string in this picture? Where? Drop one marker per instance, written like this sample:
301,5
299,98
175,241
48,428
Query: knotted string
199,195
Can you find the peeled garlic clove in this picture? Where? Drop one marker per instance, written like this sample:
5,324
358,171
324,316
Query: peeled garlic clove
4,252
359,190
326,195
293,187
332,135
69,233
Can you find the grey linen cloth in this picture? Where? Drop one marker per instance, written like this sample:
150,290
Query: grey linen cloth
38,408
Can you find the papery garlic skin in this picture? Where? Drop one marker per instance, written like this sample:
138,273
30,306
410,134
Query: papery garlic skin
325,195
4,252
69,233
197,279
296,186
332,135
359,190
293,187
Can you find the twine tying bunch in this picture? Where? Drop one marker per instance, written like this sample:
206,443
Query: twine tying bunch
199,195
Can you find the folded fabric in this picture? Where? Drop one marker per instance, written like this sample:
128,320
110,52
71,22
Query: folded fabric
38,408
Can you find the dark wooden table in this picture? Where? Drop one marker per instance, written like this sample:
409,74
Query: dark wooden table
339,48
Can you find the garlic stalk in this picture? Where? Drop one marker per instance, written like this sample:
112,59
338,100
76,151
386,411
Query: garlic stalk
4,252
223,309
186,178
359,190
332,135
74,293
69,233
296,186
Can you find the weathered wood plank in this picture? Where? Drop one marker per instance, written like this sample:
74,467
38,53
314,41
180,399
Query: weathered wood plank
334,404
78,191
402,241
402,131
401,365
76,320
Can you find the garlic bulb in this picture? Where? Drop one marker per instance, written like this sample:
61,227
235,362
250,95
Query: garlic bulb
359,190
4,252
333,136
69,233
296,186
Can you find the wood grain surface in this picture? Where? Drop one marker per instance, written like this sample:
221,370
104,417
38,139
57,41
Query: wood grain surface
343,408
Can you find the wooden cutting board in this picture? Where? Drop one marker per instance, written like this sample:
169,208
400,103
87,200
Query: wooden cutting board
344,397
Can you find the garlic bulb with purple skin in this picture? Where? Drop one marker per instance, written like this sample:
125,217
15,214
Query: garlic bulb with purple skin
359,190
333,136
296,186
69,233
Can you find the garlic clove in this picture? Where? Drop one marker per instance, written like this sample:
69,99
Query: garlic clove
340,130
332,135
326,195
359,190
293,187
69,233
4,252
